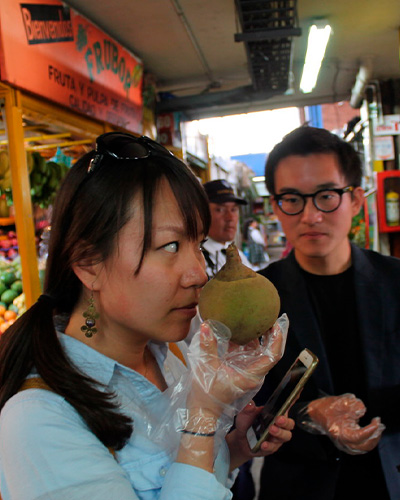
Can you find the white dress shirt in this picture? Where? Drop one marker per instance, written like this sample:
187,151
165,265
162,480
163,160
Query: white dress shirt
214,253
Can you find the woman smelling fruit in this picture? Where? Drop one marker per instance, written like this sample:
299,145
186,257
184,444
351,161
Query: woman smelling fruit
123,278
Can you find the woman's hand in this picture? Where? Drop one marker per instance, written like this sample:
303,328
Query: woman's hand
219,379
239,448
223,378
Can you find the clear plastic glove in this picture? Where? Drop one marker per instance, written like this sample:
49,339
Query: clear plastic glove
221,380
338,417
226,375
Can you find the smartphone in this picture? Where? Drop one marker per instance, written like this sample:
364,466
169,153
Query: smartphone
282,398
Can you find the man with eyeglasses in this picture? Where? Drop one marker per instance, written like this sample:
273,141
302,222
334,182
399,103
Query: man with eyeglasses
343,304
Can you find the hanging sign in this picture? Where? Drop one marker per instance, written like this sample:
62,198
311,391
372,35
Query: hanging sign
50,50
384,147
390,125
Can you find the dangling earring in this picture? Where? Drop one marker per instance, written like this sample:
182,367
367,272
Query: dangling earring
90,315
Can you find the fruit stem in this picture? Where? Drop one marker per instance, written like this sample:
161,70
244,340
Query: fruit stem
234,270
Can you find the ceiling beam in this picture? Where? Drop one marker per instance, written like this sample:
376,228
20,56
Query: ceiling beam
228,97
257,36
251,103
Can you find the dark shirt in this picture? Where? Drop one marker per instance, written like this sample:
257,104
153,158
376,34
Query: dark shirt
334,304
309,467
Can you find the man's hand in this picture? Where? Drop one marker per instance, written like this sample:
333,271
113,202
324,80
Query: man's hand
337,417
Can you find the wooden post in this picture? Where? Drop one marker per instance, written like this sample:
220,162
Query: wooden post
24,220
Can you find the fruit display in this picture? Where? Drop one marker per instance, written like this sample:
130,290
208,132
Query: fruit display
4,208
45,178
5,173
246,302
8,244
12,298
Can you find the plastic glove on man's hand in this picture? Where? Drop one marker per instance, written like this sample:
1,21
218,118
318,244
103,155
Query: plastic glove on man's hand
338,417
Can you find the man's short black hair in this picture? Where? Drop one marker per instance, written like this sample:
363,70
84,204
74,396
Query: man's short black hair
304,141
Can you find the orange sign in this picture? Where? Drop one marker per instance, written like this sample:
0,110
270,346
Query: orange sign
50,50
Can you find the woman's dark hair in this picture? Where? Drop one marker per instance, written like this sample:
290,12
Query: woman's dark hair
90,210
304,141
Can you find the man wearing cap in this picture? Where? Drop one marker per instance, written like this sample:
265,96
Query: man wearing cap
224,208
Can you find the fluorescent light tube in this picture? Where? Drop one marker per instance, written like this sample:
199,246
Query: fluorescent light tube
317,42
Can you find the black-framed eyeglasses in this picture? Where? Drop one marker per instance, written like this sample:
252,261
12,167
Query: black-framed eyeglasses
123,146
325,200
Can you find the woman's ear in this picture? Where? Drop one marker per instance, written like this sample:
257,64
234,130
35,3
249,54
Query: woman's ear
87,273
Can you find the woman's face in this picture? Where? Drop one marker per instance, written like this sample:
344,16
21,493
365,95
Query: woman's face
160,301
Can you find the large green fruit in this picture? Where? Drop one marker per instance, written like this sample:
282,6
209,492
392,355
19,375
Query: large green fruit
8,296
246,302
8,278
17,286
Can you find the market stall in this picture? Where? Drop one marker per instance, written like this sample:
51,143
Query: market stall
63,82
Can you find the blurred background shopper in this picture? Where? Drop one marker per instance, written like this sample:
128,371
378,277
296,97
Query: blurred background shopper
256,244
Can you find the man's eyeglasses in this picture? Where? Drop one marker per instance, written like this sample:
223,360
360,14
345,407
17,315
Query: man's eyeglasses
325,200
123,146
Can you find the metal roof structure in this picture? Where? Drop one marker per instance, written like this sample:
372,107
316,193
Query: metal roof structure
218,57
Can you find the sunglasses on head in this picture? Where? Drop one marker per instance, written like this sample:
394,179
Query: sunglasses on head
123,146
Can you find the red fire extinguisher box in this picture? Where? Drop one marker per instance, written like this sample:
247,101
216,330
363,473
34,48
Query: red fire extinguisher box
388,200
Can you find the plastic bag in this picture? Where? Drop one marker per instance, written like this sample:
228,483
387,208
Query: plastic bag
338,417
221,380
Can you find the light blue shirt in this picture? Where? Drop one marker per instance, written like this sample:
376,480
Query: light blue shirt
48,452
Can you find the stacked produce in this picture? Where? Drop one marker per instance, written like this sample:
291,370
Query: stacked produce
8,244
45,178
5,174
12,298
